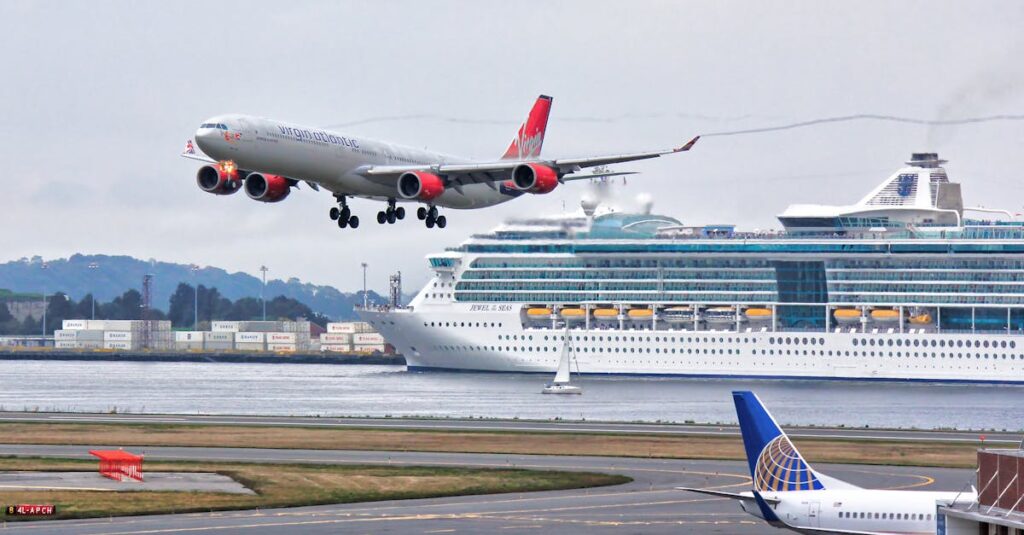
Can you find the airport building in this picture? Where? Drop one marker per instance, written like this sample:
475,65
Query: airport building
1000,506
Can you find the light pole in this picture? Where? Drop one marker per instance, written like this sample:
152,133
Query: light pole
263,289
44,266
365,301
93,265
195,296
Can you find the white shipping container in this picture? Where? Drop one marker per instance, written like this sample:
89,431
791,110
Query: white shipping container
65,335
228,337
349,327
123,345
369,348
281,347
224,326
89,336
261,326
281,338
218,346
250,346
72,325
335,338
339,348
189,336
90,344
65,344
116,325
367,338
110,336
250,338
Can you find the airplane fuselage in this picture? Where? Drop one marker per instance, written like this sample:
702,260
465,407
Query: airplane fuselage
857,510
330,159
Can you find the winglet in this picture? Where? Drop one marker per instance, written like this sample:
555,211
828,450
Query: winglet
689,145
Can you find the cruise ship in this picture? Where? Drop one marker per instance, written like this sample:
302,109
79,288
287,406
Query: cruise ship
904,285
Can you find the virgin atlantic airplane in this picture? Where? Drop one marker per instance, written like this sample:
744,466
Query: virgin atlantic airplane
268,158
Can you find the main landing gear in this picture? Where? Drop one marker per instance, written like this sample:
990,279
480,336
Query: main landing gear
430,217
343,214
390,215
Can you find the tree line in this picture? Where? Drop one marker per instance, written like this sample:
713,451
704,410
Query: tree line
212,306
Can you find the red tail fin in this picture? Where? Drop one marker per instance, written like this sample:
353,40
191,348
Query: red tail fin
530,138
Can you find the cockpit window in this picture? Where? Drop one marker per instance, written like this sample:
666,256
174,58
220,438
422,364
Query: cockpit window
222,126
218,126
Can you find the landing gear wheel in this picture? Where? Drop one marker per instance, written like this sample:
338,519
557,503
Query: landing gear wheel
335,213
400,212
432,213
430,222
346,213
441,221
382,217
342,222
392,217
421,213
353,221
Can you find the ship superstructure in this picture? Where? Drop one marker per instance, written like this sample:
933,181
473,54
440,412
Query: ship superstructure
900,286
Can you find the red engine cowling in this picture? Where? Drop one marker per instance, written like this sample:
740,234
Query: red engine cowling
420,185
534,178
219,179
267,188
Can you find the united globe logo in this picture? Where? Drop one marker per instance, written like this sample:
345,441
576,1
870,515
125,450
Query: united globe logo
779,467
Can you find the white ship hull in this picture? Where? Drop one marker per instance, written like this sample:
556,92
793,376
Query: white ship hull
492,338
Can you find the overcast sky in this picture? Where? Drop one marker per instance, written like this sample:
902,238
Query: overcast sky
97,99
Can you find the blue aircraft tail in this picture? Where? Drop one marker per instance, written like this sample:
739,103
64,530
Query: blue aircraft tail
775,464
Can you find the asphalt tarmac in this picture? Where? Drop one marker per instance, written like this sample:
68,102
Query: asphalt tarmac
451,424
649,504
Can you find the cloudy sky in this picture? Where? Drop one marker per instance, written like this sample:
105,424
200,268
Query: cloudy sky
97,99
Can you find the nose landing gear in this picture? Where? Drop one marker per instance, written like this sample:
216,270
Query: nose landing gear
343,214
392,214
430,217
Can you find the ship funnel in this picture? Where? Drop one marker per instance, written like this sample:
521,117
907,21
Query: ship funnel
925,159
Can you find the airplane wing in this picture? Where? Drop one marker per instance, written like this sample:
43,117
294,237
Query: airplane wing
501,170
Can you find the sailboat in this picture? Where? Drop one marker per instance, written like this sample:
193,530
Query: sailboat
561,384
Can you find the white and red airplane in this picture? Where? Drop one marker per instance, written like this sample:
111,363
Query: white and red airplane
271,157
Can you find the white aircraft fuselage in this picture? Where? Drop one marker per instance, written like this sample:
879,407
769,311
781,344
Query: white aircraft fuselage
857,510
332,160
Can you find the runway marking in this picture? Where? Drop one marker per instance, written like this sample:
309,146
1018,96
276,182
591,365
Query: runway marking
440,531
925,480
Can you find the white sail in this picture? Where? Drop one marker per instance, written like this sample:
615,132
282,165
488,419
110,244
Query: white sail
562,376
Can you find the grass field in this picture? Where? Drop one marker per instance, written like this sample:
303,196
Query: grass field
959,455
284,485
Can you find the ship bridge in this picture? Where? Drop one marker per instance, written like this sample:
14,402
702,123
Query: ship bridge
919,194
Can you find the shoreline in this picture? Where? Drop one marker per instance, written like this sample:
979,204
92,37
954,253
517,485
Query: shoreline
221,357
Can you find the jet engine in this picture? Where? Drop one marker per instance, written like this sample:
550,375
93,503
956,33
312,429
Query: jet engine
420,185
267,188
219,179
534,178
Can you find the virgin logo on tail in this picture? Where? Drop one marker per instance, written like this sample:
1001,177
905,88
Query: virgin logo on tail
530,138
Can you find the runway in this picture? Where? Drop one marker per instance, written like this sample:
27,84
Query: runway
649,504
452,424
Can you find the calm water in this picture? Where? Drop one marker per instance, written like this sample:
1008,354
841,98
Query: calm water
326,390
